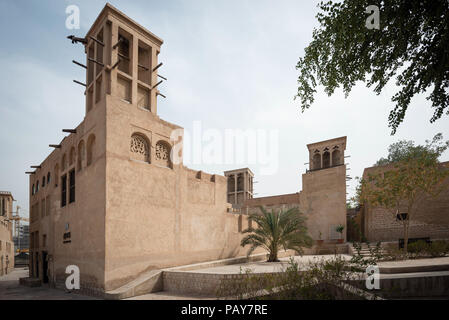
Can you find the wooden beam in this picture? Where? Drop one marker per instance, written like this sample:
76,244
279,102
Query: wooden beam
56,146
157,67
157,84
35,167
97,41
80,64
29,172
95,61
80,83
69,130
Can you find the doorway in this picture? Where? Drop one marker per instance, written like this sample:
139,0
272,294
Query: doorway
36,262
44,267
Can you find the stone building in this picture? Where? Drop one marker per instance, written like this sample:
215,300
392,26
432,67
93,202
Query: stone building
430,221
112,200
109,198
6,241
323,195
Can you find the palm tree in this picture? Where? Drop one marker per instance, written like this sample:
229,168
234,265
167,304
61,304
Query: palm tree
282,229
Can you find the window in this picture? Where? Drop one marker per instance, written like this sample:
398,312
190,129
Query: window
90,64
63,190
72,186
99,51
90,149
64,163
163,154
48,178
44,240
143,98
123,52
56,175
139,148
144,57
316,161
402,216
336,157
326,159
32,190
43,181
37,186
81,154
72,156
3,207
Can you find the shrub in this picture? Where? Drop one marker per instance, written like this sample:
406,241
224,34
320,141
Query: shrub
393,252
418,249
438,248
318,280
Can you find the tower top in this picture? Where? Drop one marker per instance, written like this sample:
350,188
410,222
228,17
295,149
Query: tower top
327,153
111,11
121,62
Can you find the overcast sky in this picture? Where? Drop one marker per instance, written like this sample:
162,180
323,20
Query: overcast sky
229,64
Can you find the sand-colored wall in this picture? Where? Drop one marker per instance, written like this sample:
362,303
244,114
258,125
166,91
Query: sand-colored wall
323,200
157,216
84,217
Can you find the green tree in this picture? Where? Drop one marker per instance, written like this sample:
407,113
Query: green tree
277,229
408,175
411,45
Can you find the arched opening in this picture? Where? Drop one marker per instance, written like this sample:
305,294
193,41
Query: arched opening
326,159
139,148
48,178
56,175
90,149
72,156
162,154
316,161
81,155
336,157
64,163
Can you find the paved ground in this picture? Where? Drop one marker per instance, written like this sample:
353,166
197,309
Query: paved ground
10,289
259,267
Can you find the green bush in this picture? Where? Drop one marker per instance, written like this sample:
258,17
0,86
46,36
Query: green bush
438,248
418,249
393,252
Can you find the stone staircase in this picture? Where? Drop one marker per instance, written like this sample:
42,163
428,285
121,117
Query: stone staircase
365,251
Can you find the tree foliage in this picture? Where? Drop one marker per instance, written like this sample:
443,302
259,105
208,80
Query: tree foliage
411,45
404,150
277,229
409,175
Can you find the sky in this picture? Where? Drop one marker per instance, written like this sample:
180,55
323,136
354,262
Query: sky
230,65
